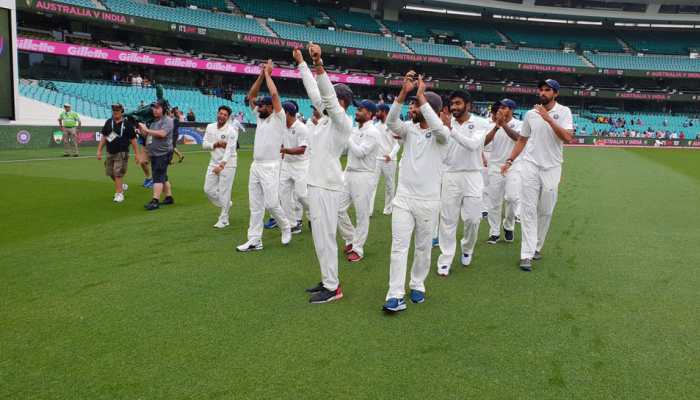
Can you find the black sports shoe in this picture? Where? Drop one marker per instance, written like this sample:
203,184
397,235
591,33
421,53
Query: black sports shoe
493,239
152,205
326,296
509,235
484,214
297,228
168,200
315,289
526,264
537,256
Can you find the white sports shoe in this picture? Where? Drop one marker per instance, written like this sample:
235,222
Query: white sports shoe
443,270
220,224
286,236
118,197
125,187
467,259
250,246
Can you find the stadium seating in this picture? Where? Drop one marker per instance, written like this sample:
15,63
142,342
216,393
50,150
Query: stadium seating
647,62
529,56
661,42
555,38
336,38
209,4
281,10
80,3
353,21
433,49
203,18
464,30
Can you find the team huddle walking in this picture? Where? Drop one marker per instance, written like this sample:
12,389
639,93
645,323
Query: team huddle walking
454,165
296,169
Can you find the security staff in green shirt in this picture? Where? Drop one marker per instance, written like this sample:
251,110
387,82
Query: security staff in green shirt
69,122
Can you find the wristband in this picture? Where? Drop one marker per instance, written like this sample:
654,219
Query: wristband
509,161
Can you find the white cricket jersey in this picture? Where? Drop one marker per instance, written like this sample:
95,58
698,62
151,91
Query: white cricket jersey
419,168
295,136
331,134
388,145
502,145
269,137
465,145
362,149
544,148
227,133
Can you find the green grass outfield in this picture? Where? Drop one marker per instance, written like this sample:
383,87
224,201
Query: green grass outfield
107,301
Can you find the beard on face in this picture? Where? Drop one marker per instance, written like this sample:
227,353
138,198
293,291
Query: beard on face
545,100
263,113
458,112
416,117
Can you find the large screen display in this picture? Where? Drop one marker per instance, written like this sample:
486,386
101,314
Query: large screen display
7,100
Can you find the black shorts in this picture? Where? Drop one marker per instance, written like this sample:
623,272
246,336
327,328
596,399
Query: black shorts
159,166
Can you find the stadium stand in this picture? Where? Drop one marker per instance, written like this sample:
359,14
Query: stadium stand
80,3
94,100
661,42
434,49
646,62
336,38
352,20
279,10
556,38
203,18
529,56
208,4
464,30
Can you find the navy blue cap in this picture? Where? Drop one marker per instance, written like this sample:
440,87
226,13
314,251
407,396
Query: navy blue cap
264,101
508,103
290,107
367,105
383,107
549,82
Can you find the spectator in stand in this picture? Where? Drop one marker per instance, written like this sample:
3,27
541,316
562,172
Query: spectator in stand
681,136
639,121
190,116
665,123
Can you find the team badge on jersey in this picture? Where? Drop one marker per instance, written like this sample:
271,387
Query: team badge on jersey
556,116
428,135
471,126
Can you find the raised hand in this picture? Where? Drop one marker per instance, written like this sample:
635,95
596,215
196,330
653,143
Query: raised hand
297,56
446,118
268,68
539,108
421,86
315,52
408,82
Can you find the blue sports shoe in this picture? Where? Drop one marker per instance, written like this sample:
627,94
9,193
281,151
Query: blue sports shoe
271,223
436,242
417,296
148,183
394,305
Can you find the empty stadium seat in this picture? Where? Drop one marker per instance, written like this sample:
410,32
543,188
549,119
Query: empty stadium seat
464,30
336,38
352,20
203,18
662,42
529,56
556,37
434,49
281,10
646,62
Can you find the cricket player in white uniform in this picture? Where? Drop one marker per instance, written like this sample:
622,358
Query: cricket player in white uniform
545,130
417,200
221,137
263,184
325,176
502,138
360,181
462,182
386,159
295,165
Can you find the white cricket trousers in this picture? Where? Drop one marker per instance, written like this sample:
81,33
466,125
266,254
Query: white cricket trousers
293,190
538,198
324,206
218,188
263,187
485,196
503,189
388,171
461,195
360,186
409,216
